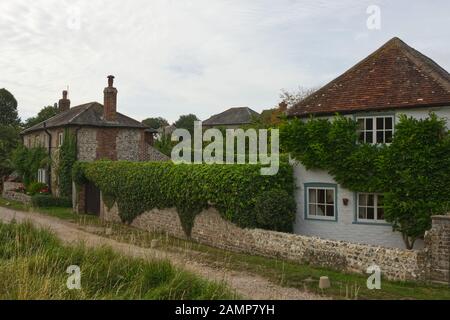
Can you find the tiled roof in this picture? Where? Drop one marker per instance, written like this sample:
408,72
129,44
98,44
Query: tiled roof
232,116
89,114
394,76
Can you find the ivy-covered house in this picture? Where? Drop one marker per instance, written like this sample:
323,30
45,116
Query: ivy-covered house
395,79
99,132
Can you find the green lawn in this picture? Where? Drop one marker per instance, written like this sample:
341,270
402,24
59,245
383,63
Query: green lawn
344,285
33,265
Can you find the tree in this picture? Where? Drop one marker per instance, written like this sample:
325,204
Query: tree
9,139
155,123
293,97
45,114
27,162
186,122
8,109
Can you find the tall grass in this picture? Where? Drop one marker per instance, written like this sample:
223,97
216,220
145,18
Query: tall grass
33,265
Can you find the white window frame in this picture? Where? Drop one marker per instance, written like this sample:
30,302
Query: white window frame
42,176
307,203
375,128
60,139
375,208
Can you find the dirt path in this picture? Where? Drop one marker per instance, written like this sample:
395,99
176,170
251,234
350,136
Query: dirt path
247,285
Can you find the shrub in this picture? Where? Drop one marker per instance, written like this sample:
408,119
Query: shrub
27,162
190,188
275,210
36,187
39,200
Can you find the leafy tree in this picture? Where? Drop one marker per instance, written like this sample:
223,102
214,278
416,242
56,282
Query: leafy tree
165,144
9,139
155,123
8,109
27,162
186,122
293,97
45,114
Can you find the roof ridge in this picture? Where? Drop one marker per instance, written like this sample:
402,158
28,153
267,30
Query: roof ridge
89,105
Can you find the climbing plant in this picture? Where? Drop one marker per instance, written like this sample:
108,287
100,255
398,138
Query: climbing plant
67,157
413,171
27,162
232,189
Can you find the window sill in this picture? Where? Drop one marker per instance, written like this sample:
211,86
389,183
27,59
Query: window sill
321,219
372,223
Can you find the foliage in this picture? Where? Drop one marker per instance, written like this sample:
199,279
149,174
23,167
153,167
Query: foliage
8,109
275,209
139,187
27,162
292,97
186,122
46,201
412,172
45,114
9,140
33,264
36,187
67,157
165,144
155,123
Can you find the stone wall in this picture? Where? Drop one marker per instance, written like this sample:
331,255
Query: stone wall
210,229
11,185
438,249
16,196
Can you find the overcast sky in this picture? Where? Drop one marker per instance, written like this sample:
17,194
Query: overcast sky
200,56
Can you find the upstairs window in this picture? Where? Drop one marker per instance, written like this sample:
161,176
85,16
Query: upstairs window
379,129
60,139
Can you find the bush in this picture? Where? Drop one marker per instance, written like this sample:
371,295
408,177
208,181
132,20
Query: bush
275,210
36,187
39,200
190,188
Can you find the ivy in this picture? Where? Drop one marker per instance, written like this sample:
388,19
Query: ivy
27,162
232,189
413,171
67,157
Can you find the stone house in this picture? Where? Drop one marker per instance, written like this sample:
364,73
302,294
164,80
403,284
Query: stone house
232,118
395,79
100,132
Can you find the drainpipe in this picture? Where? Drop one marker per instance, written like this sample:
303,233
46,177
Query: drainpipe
50,157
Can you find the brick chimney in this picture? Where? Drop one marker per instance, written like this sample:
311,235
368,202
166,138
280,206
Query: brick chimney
110,101
64,103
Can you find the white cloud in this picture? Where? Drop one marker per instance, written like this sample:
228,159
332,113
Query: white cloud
198,56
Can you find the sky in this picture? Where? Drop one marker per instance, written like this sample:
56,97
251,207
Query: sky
173,57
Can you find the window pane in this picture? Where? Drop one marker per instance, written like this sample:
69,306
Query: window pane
370,213
330,211
369,123
312,196
320,210
380,137
320,196
361,137
330,196
363,200
312,209
360,124
369,137
370,200
380,213
380,200
362,213
388,136
380,123
388,123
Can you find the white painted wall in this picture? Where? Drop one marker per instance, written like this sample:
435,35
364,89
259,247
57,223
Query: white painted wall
345,227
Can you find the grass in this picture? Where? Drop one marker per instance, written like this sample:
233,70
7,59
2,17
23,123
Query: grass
33,265
305,277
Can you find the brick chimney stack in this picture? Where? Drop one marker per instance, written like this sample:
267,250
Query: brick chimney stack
64,103
110,101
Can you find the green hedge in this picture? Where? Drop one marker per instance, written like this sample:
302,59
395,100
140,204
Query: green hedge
41,201
138,187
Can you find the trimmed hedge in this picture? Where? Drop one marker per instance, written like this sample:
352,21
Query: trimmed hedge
232,189
50,201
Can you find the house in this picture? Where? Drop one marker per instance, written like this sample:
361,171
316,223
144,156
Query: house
100,131
395,79
232,118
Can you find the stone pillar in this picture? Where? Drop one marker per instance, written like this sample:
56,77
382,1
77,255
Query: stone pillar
437,242
79,199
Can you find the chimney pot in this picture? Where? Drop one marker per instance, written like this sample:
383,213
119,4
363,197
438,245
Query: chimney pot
110,81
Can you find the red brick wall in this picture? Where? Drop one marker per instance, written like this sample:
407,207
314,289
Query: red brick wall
106,143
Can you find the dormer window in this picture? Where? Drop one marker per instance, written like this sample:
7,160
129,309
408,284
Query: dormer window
375,129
